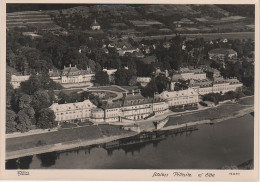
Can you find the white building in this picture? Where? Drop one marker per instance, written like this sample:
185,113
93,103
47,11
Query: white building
72,111
217,85
110,73
221,53
95,26
17,79
143,80
131,108
71,75
192,74
189,96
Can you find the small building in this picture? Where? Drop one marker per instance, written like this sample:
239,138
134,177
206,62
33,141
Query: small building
17,79
95,25
143,80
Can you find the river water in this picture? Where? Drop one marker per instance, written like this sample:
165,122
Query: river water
210,147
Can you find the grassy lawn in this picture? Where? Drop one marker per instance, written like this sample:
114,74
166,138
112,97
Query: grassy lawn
112,88
65,135
130,88
212,113
107,95
67,91
247,101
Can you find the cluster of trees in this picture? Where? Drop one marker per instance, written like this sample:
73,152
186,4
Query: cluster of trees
217,97
77,97
27,106
243,70
156,85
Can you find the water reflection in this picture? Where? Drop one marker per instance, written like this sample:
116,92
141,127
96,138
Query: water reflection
21,163
48,159
202,147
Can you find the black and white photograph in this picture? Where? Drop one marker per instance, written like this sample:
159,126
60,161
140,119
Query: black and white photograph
130,87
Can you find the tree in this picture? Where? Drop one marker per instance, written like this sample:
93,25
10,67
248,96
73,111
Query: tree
41,99
10,121
24,101
32,85
101,78
162,83
46,119
23,122
181,85
133,81
122,77
150,89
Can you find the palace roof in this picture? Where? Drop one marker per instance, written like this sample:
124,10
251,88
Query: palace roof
86,104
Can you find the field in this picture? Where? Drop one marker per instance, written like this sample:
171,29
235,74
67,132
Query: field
206,36
231,36
63,136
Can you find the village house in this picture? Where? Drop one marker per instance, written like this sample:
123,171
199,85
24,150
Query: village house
125,47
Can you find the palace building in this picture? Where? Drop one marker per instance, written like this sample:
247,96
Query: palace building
131,108
217,85
189,96
222,53
72,111
72,75
192,74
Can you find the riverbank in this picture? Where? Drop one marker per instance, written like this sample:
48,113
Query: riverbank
86,136
63,146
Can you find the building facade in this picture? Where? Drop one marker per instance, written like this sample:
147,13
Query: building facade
131,108
70,75
217,85
222,53
72,111
17,79
189,96
192,74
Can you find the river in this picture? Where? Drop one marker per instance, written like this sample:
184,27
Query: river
210,147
